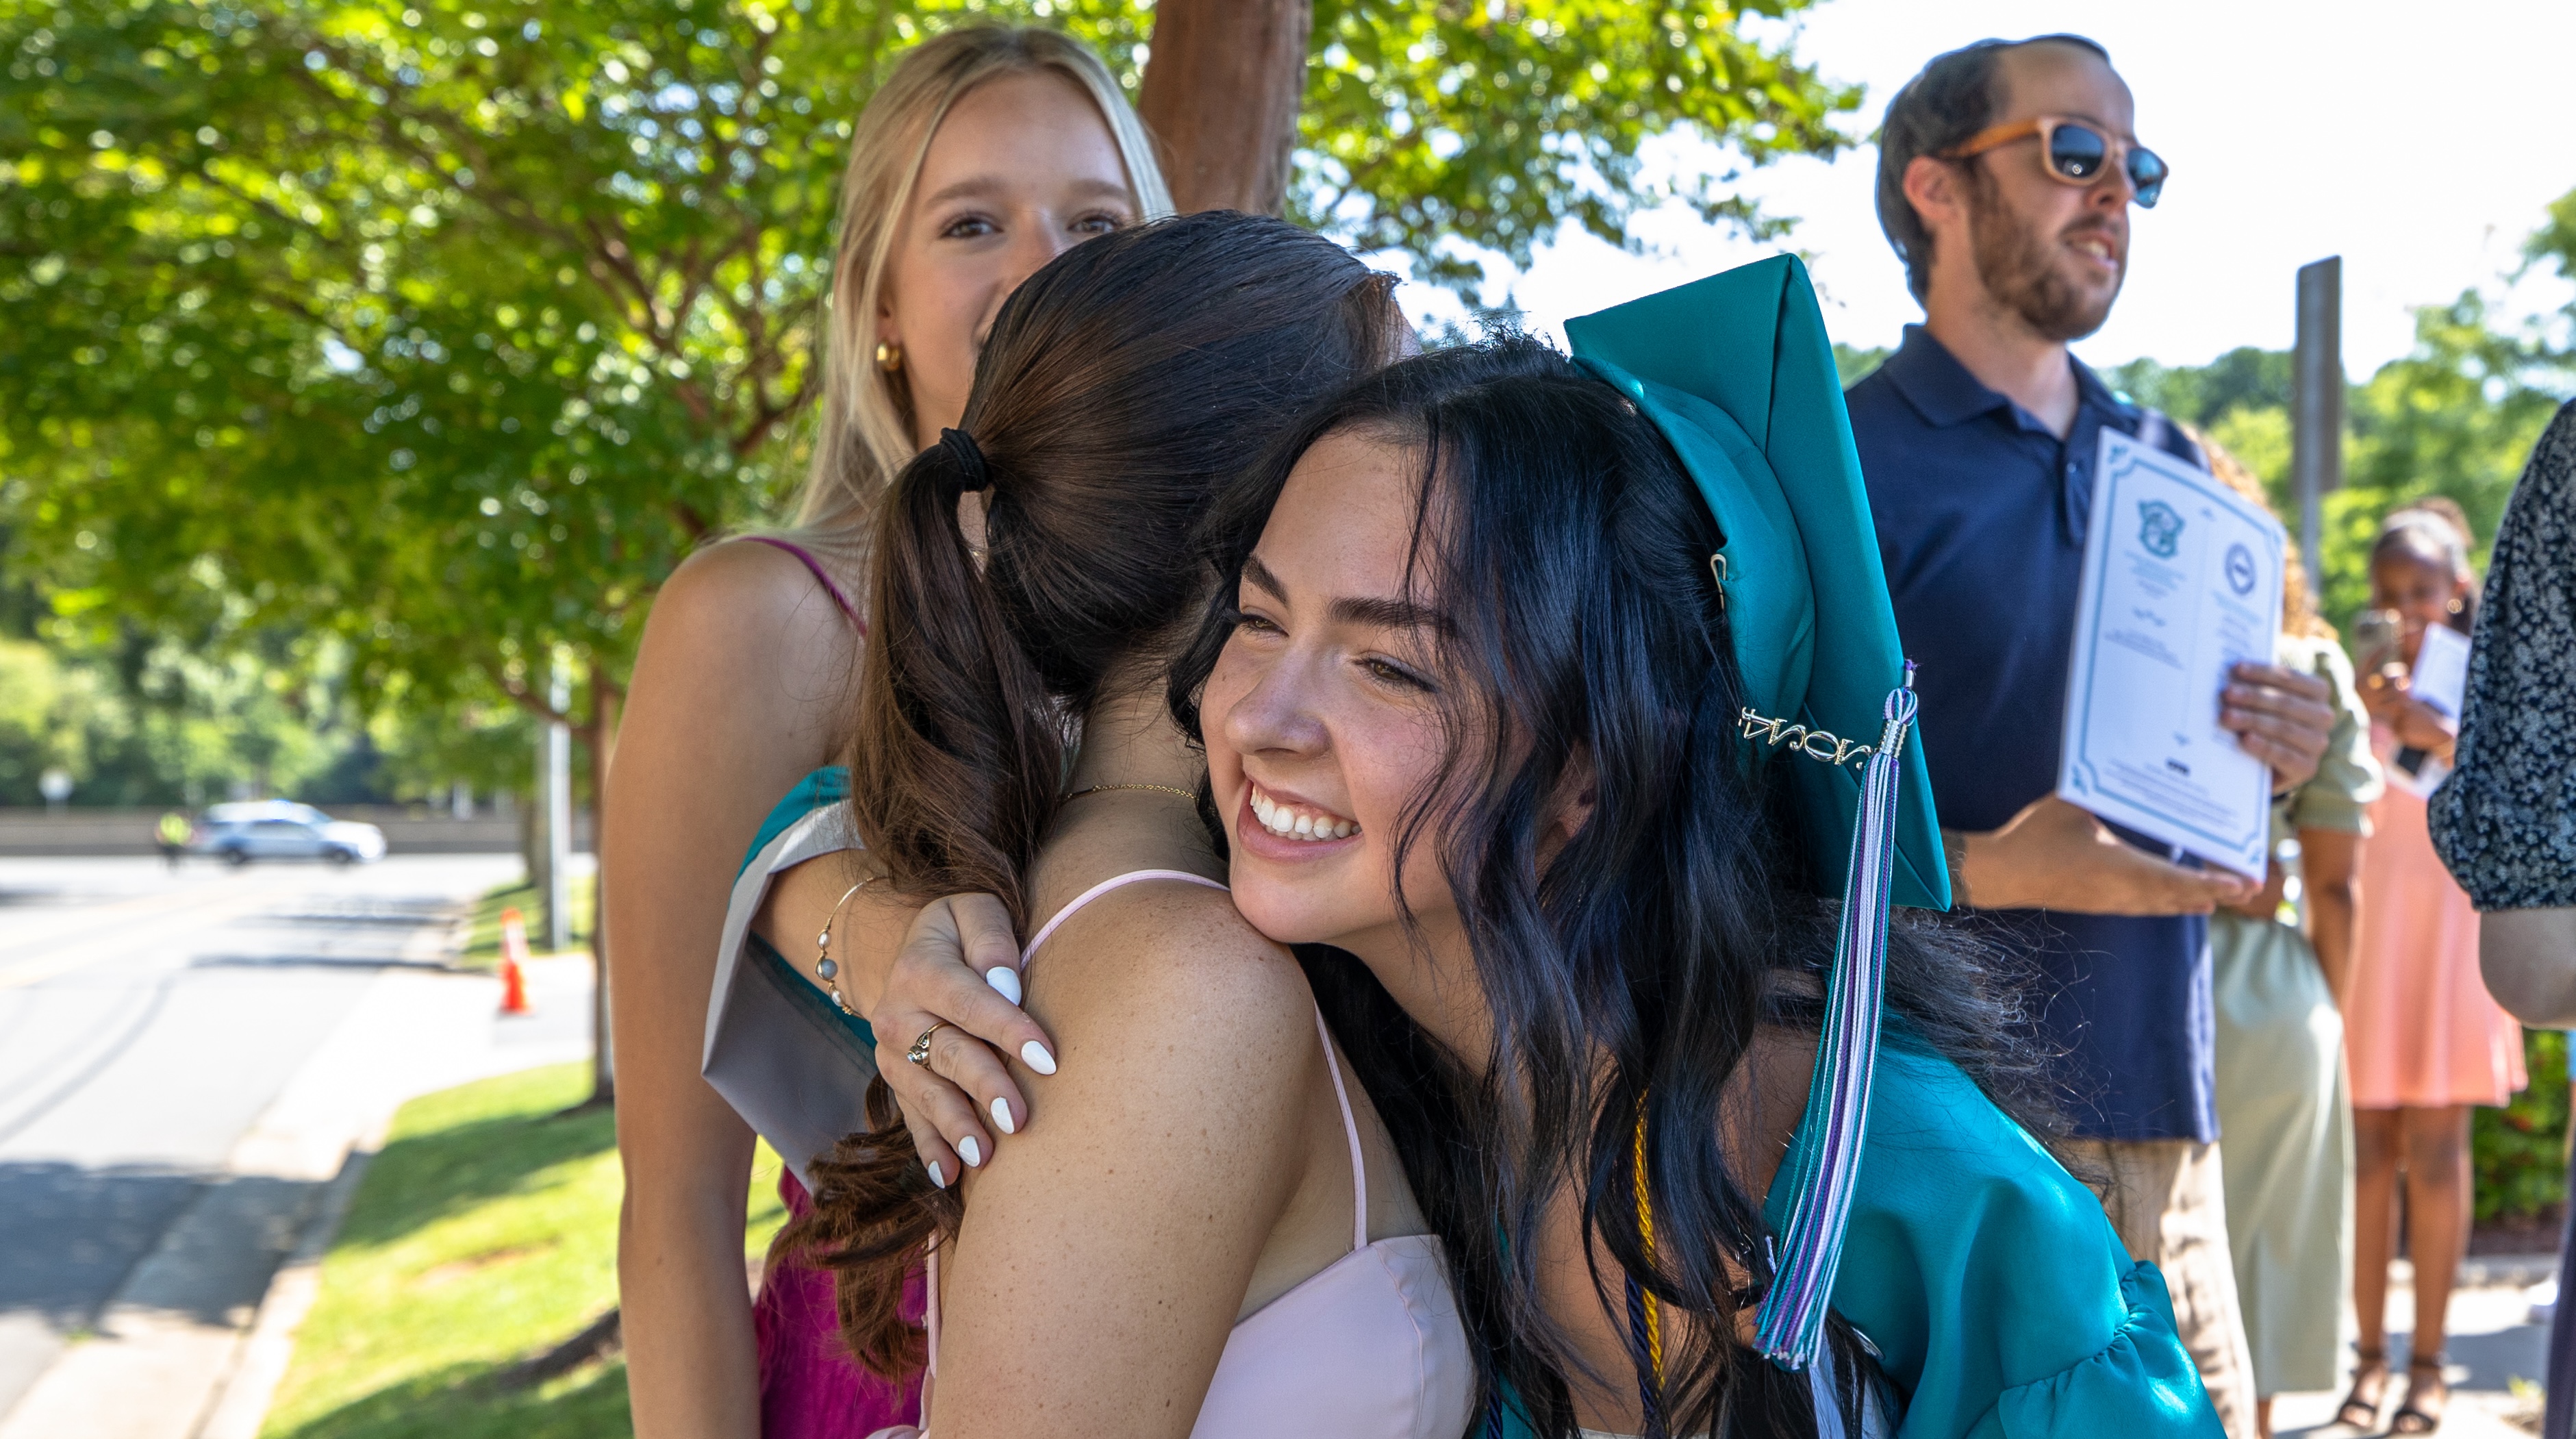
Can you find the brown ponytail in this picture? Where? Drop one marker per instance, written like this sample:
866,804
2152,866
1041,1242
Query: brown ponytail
1120,387
953,712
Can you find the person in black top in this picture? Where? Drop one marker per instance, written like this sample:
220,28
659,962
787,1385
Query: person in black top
2505,821
2006,178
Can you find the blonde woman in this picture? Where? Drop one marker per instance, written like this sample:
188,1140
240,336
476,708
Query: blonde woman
985,154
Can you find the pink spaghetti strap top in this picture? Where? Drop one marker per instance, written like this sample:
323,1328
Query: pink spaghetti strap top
831,587
1369,1347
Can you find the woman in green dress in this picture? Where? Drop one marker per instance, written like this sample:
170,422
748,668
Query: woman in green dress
2278,986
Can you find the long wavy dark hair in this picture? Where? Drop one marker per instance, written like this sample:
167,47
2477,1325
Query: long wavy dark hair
1120,387
1566,549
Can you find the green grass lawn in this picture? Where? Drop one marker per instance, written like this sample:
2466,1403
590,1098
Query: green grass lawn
486,1232
483,931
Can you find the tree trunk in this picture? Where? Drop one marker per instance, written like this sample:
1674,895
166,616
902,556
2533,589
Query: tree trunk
1221,93
600,735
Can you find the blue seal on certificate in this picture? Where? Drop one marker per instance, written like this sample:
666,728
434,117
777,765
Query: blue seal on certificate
2159,529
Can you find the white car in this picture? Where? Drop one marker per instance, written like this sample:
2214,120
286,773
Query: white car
281,829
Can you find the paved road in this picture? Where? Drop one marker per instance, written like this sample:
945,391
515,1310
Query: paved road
184,1060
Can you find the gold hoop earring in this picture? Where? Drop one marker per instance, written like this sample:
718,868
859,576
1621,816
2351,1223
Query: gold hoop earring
889,357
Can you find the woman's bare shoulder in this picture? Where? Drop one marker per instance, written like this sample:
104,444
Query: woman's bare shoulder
1178,952
743,590
744,640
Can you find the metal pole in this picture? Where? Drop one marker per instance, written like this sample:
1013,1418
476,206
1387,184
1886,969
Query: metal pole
558,801
532,822
2316,409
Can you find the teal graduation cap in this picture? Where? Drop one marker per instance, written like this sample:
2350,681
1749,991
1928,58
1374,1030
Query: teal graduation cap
1735,370
1737,373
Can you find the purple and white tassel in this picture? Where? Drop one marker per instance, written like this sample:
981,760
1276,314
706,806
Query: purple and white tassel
1791,1322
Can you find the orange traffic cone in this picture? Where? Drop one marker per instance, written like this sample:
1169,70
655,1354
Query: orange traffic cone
514,960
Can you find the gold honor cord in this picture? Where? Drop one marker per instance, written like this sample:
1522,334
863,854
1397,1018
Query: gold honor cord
1646,1232
1837,751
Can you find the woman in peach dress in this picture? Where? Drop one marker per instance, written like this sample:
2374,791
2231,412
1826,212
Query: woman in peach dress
2425,1040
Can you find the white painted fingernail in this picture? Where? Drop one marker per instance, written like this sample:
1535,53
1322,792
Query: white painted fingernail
971,1152
1002,1116
1036,1057
937,1178
1005,981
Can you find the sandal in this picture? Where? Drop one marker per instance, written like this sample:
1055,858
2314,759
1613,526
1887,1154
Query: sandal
2412,1417
2360,1410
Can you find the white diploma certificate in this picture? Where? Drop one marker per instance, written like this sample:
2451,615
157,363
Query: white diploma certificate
2441,675
2182,579
2441,681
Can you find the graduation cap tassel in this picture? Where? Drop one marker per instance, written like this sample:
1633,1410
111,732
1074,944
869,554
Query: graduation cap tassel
1791,1322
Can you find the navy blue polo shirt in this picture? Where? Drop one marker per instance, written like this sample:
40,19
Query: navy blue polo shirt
1981,515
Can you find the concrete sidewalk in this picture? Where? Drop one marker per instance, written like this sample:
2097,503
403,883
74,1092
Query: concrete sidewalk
2498,1356
195,1340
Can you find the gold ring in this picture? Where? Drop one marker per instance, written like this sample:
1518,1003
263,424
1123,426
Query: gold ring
920,1051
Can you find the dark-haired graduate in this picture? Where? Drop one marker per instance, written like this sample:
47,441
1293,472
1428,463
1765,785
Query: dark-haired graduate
1560,694
1563,697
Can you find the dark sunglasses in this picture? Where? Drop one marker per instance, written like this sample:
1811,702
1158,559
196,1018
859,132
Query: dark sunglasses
2074,152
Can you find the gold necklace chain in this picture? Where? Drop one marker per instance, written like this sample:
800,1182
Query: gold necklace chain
1190,795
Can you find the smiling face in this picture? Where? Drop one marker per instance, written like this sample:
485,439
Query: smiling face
1324,718
1022,169
2049,253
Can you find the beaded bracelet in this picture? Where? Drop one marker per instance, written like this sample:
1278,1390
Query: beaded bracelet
826,968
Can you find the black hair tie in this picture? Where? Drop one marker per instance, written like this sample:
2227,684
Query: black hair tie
972,472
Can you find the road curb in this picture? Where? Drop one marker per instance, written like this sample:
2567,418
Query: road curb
261,1362
249,1385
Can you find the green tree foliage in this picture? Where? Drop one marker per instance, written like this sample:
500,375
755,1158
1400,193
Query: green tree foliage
2243,378
432,334
1853,366
144,718
2520,1149
1496,124
442,334
2457,416
146,722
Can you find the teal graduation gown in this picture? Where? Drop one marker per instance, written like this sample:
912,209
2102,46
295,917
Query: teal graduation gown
1994,1289
1992,1285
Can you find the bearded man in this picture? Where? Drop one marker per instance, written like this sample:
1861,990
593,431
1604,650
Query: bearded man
2006,180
